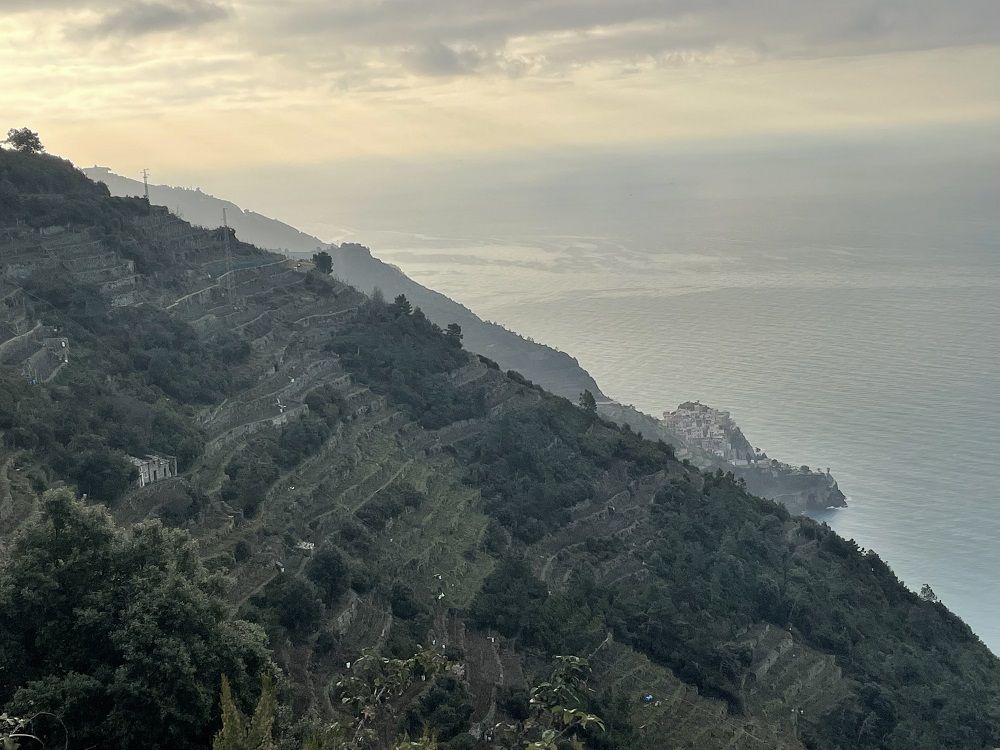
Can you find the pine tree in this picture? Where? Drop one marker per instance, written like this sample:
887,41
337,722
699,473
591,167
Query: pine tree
454,334
239,733
323,262
402,305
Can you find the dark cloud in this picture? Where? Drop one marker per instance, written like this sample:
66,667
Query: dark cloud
155,16
466,36
373,43
20,6
442,33
439,59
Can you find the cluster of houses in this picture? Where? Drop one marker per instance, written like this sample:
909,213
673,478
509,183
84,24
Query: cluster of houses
712,431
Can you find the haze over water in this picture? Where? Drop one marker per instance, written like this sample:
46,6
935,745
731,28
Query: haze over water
842,299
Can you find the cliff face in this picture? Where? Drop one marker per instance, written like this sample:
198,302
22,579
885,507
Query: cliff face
365,483
799,491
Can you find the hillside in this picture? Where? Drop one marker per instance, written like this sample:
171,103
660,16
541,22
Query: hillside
355,265
554,370
204,210
355,479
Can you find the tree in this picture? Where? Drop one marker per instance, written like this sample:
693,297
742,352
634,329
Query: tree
329,572
323,262
121,633
401,305
555,718
296,603
454,334
24,140
368,691
16,732
240,732
587,402
927,593
99,471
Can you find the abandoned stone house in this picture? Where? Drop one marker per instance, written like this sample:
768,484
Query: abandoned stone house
154,468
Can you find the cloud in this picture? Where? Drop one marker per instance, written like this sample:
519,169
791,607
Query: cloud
11,7
461,36
439,59
374,44
384,39
435,76
156,16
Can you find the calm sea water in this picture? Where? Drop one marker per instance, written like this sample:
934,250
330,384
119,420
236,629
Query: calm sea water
841,299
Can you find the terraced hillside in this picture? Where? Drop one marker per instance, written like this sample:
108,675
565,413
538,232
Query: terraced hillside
364,482
556,371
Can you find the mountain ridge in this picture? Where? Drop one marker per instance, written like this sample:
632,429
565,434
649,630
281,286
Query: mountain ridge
205,210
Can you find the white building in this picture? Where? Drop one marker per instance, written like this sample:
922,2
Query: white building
154,468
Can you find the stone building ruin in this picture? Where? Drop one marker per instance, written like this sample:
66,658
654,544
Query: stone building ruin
154,468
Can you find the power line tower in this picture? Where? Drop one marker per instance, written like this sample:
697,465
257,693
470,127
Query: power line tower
230,285
145,183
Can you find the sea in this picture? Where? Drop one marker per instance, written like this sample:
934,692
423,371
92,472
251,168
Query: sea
839,295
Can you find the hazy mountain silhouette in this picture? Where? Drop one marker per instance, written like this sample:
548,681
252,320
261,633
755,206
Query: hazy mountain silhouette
204,210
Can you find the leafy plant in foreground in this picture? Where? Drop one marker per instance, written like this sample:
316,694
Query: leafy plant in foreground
555,718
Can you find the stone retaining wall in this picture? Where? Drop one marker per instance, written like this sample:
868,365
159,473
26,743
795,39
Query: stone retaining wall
238,433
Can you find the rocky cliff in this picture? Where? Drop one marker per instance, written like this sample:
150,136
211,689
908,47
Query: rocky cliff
801,491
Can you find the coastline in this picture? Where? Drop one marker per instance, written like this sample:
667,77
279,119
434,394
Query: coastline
800,489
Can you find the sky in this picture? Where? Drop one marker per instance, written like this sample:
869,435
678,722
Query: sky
204,86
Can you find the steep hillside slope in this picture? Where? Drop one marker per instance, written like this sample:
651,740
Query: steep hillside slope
554,370
364,482
354,264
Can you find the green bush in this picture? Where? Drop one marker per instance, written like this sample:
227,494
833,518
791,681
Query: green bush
121,633
389,504
329,571
293,603
401,354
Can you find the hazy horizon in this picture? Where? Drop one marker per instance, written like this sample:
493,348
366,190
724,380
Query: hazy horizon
359,199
